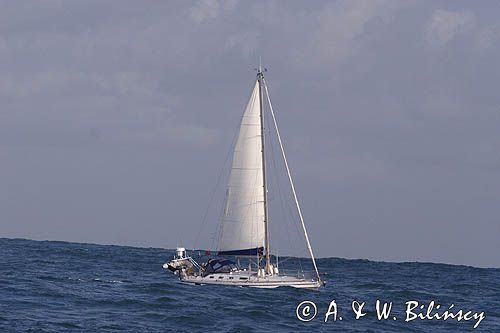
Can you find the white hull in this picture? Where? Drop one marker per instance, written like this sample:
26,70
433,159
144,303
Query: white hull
245,279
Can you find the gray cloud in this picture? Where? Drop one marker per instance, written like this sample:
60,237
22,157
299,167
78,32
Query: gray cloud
115,120
445,25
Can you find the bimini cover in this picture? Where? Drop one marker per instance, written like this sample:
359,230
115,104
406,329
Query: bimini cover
219,266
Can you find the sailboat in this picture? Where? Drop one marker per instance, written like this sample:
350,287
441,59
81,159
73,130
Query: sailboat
245,223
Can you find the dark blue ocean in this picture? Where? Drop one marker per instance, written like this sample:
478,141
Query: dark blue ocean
67,287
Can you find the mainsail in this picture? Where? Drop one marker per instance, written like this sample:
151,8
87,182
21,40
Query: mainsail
242,227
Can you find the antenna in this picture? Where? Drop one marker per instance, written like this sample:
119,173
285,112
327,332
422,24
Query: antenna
260,69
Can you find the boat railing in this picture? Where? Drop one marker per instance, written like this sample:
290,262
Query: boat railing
298,273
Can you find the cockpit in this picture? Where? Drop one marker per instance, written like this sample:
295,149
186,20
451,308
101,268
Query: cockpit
219,266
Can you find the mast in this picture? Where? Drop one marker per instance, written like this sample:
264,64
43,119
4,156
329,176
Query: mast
260,78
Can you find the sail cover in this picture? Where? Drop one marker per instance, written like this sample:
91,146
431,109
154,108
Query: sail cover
242,228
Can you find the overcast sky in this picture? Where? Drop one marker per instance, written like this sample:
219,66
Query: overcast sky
116,118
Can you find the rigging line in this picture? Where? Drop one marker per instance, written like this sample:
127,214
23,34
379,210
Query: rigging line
291,181
218,230
280,193
286,259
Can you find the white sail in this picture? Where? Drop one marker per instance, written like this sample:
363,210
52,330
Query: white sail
243,218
